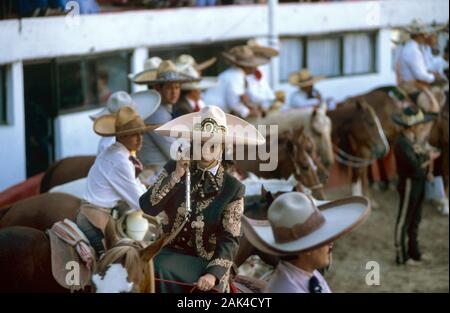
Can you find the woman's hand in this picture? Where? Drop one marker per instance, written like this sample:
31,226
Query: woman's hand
182,165
206,282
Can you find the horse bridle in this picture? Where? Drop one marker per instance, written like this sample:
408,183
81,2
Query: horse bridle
311,164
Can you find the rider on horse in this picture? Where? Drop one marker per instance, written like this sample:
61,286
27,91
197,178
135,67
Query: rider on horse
205,231
113,177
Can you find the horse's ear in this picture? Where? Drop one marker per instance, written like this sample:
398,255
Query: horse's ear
153,249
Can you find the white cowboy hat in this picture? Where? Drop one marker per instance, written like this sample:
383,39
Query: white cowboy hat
150,64
203,84
145,103
212,124
304,78
245,56
126,121
188,60
295,224
167,72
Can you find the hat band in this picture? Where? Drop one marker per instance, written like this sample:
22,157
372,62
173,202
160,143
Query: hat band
413,119
287,234
210,125
168,76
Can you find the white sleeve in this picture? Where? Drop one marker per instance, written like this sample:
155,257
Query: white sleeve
233,92
127,186
416,63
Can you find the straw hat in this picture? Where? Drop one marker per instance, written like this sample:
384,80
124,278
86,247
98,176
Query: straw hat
245,56
145,103
188,60
412,116
126,121
264,51
304,78
212,124
418,27
295,224
166,72
202,84
150,64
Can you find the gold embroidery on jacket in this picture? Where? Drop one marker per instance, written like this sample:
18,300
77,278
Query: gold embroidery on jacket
221,262
232,217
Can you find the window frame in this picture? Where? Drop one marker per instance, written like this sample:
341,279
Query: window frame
4,99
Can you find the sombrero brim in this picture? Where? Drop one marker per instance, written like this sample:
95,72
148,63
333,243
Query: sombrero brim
294,80
341,217
106,126
254,62
203,84
150,77
204,65
428,117
182,127
144,102
266,52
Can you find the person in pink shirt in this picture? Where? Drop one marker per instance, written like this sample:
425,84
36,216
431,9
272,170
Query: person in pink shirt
302,235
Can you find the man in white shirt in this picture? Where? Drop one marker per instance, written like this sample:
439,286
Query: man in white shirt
112,180
231,93
306,95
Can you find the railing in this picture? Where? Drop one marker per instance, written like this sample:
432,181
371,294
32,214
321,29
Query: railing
35,8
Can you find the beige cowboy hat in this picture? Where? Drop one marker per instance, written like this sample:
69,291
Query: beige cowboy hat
188,60
150,64
418,27
145,103
204,82
295,224
245,56
304,78
259,49
166,72
212,124
126,121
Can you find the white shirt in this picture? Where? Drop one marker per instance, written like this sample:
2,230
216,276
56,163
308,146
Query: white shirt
227,93
299,99
412,64
259,91
104,143
288,278
191,102
112,178
434,63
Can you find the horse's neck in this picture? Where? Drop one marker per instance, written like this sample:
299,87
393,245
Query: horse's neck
288,120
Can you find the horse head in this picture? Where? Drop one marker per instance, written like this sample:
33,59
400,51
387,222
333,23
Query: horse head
367,136
127,267
321,129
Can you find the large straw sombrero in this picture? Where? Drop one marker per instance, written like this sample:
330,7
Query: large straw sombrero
295,224
167,72
188,60
259,49
212,124
145,103
150,64
304,78
418,27
412,116
245,56
126,121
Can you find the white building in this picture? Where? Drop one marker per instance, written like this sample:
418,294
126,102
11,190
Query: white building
53,70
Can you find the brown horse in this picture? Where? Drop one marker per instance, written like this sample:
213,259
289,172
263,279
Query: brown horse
439,138
358,137
297,155
66,170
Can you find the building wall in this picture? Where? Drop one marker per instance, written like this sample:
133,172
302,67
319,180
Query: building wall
43,38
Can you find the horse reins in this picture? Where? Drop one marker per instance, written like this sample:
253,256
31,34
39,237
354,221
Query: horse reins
298,173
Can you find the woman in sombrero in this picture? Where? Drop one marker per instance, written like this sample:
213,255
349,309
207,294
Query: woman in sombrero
206,238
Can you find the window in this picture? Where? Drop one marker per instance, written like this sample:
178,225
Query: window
331,56
88,83
3,116
291,57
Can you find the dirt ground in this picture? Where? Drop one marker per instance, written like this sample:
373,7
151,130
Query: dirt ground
374,241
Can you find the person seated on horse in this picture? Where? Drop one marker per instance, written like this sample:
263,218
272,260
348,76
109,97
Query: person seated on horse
206,231
166,79
302,235
112,178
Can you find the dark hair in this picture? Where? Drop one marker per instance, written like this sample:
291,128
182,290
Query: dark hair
288,258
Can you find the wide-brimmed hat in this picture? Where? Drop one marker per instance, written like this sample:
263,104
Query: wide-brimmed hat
295,224
304,78
188,60
145,103
167,72
412,116
212,124
126,121
245,56
150,64
418,27
202,84
265,51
